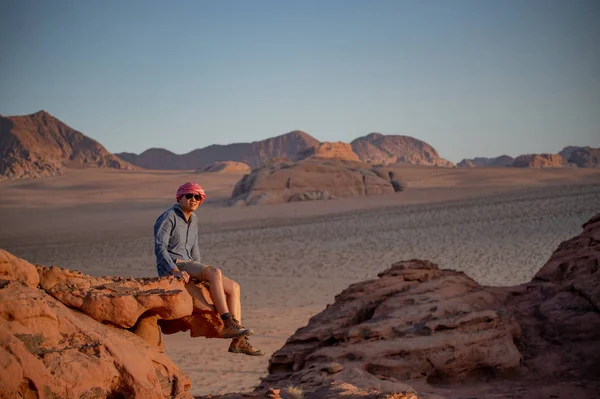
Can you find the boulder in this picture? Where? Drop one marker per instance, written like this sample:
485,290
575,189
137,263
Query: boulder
48,350
312,179
16,269
437,333
66,334
415,323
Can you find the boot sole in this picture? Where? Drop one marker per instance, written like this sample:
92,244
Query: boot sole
240,334
241,352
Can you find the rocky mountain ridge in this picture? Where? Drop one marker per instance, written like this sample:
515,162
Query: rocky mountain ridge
252,154
39,145
571,156
375,148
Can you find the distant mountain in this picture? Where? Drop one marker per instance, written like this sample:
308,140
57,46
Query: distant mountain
539,161
585,157
482,162
571,156
39,145
377,148
252,154
567,151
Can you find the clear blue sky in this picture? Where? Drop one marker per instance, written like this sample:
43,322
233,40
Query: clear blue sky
472,78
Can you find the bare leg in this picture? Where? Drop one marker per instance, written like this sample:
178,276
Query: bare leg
234,303
215,278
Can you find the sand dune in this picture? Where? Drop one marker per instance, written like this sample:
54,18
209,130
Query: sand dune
497,225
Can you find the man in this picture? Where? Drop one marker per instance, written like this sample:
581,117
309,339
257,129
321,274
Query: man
178,254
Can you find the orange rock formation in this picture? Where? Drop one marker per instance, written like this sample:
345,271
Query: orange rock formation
82,335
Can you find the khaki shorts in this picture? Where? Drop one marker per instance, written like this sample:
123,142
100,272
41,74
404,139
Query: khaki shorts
194,269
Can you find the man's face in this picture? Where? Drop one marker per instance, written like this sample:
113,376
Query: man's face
190,202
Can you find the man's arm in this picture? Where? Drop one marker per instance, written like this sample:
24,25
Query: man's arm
196,251
162,233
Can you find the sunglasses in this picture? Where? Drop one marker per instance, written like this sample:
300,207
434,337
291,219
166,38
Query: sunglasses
197,197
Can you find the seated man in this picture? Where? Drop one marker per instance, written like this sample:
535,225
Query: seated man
178,254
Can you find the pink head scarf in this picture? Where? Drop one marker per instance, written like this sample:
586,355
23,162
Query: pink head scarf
190,188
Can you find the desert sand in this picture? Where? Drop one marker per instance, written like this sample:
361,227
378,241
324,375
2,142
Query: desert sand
497,225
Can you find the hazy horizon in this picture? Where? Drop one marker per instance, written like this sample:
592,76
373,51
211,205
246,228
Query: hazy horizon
472,79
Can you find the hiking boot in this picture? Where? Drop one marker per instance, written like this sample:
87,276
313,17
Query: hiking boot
242,345
232,329
250,331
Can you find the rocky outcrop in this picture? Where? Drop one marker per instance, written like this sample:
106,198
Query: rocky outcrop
94,337
227,167
312,179
252,154
414,332
437,333
39,145
338,150
585,157
539,161
482,162
380,149
567,151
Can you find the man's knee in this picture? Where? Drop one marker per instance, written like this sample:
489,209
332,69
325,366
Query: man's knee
212,273
235,287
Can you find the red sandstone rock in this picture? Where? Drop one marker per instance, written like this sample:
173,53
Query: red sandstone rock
437,333
123,302
13,268
84,336
48,351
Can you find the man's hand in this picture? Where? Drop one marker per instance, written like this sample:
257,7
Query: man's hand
179,275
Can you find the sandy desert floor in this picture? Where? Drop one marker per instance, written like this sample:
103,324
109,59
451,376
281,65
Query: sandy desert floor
497,225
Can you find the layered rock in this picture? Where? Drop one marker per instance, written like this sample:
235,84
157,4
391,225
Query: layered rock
39,145
382,149
437,333
227,167
539,161
84,336
252,154
483,162
312,179
338,150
